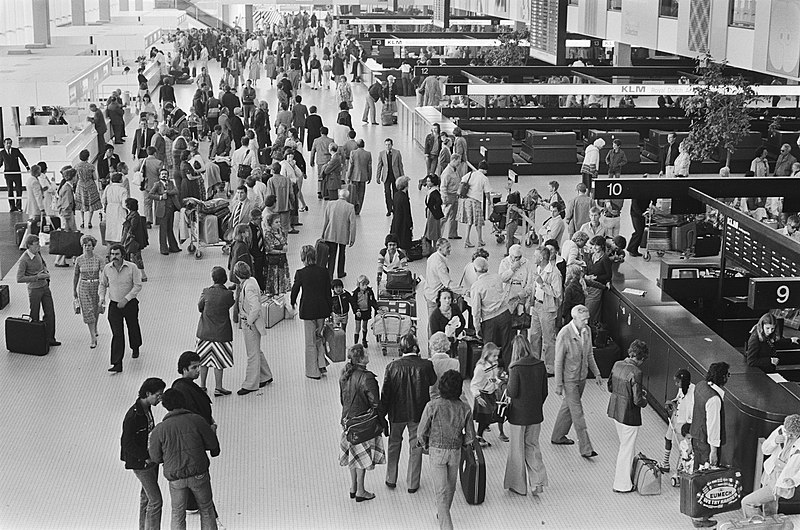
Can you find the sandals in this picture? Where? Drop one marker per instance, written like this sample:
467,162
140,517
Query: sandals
469,245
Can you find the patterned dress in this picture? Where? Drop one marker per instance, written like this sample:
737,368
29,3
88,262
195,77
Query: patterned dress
88,269
276,267
87,197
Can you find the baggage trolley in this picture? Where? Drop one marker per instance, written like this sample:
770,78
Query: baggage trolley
389,327
194,219
659,239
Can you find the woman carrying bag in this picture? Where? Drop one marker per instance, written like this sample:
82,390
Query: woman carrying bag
483,386
360,398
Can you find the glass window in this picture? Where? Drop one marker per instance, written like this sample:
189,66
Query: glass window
615,5
668,8
743,13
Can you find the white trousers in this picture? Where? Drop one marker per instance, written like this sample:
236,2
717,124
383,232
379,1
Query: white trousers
627,446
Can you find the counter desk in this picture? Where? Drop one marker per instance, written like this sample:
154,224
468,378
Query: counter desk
754,404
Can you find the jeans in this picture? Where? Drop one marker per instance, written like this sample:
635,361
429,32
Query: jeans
249,112
627,447
761,499
395,446
200,485
543,334
315,347
41,297
445,463
130,314
571,412
150,500
524,464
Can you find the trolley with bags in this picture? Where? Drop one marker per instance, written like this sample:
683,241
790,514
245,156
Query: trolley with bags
389,327
202,222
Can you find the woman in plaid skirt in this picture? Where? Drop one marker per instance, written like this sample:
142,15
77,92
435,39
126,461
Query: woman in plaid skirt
215,331
359,394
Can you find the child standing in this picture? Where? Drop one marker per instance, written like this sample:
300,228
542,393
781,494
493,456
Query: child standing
680,412
616,159
686,463
341,302
194,123
363,303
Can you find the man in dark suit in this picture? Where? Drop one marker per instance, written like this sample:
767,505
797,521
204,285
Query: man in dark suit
638,208
221,146
313,126
33,271
359,174
142,139
107,164
668,155
237,127
433,144
299,116
165,195
100,126
389,169
406,391
9,161
230,100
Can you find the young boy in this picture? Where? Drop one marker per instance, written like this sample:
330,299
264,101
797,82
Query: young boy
686,462
194,123
616,159
342,301
363,302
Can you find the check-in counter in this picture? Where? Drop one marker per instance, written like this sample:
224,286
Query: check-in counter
372,69
129,82
754,404
416,122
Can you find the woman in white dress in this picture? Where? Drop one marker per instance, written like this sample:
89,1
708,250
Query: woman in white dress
114,204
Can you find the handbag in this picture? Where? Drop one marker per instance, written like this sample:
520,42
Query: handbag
502,406
400,281
463,189
520,319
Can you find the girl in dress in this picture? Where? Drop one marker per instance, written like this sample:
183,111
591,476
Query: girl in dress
276,267
87,197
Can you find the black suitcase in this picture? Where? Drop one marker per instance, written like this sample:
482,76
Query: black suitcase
706,493
605,358
707,245
468,355
322,250
5,297
415,252
473,473
24,335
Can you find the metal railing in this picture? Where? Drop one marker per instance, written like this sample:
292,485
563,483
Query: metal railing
200,15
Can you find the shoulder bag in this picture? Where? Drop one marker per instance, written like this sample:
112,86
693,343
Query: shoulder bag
463,189
362,428
245,169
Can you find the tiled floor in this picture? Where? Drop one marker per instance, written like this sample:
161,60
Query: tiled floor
61,414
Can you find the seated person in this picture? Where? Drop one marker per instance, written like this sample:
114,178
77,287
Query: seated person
391,258
763,341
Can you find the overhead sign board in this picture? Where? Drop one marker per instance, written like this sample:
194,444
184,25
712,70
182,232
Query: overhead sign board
773,293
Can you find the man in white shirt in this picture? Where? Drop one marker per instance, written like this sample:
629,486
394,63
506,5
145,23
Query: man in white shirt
708,422
243,156
437,273
478,187
594,227
547,293
516,273
256,191
490,310
123,282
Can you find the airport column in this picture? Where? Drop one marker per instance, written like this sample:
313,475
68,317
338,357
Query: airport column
124,5
41,22
105,11
248,17
622,54
78,12
138,5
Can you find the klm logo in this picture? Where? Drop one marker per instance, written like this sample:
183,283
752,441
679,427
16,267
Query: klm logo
634,89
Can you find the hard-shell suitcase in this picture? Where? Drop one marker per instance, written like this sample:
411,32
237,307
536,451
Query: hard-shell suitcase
415,252
712,491
646,475
322,251
606,357
5,296
272,312
473,473
468,355
209,230
66,243
27,336
759,522
337,344
683,236
402,306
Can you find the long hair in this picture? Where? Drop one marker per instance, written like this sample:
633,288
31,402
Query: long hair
766,318
685,379
355,358
520,348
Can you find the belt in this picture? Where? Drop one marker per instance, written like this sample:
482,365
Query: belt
610,216
539,301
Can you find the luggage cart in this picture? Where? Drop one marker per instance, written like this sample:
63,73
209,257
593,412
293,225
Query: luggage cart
195,218
389,327
659,238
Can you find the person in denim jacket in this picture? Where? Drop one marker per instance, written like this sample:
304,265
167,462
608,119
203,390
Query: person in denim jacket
446,426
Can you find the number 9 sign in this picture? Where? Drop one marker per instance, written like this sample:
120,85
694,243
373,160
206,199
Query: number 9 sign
782,294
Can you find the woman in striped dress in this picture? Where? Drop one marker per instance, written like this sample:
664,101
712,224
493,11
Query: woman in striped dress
214,331
87,196
85,284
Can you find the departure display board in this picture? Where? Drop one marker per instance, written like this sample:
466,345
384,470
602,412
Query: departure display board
757,255
441,13
548,29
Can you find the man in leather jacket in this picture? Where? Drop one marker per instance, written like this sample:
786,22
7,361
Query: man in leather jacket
406,391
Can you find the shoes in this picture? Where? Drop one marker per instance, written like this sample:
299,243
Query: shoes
323,370
219,392
590,455
144,278
563,441
391,485
454,237
352,494
369,498
294,231
550,374
165,253
664,469
297,224
374,123
538,490
244,391
149,224
55,343
90,225
316,378
634,254
388,214
93,344
116,368
626,491
263,383
342,275
62,265
482,442
503,438
481,244
173,250
82,225
135,354
413,490
704,523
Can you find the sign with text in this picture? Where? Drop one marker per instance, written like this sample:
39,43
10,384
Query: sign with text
773,293
451,89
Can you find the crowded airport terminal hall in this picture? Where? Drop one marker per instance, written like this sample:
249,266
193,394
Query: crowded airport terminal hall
477,264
